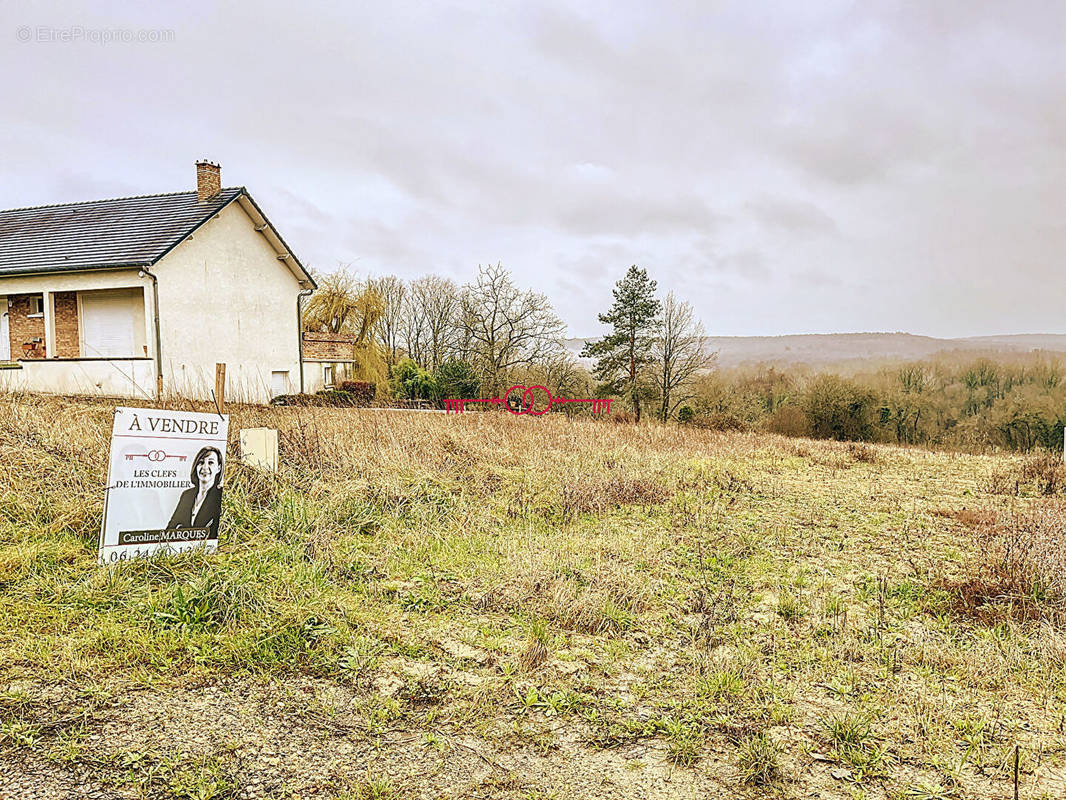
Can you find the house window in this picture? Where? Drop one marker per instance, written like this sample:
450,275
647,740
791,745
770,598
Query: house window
327,375
279,383
36,306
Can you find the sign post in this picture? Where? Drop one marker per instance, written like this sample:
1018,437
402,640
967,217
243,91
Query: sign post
220,387
164,483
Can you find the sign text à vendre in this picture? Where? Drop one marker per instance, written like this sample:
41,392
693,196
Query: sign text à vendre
164,485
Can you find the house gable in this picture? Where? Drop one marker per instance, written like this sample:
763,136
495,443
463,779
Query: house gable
226,297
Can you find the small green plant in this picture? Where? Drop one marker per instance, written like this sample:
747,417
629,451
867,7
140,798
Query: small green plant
848,729
359,659
758,759
790,607
209,779
190,607
853,740
19,734
551,705
834,606
684,742
375,787
720,685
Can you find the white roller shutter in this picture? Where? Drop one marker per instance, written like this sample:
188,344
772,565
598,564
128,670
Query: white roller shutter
107,324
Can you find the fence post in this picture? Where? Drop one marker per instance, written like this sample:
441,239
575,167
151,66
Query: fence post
220,387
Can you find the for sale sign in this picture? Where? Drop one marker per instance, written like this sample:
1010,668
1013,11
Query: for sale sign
164,483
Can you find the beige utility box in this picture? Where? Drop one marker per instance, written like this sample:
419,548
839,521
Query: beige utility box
259,448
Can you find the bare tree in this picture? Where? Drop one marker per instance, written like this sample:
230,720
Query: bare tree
505,326
413,330
392,292
433,311
679,355
559,373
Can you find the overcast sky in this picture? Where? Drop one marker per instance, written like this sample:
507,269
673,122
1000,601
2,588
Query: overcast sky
787,167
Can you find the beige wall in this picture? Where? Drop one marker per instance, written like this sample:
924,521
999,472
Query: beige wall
113,378
103,279
225,297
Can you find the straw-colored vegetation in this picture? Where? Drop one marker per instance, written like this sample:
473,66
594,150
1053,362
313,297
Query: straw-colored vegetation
498,606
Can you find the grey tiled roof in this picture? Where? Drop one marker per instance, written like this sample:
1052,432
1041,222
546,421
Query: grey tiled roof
128,231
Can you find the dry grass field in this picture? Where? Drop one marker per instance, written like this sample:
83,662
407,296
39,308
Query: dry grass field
483,606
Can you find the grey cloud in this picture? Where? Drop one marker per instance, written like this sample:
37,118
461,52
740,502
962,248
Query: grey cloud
784,167
791,216
748,264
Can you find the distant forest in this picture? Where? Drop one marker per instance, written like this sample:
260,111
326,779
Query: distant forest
1009,401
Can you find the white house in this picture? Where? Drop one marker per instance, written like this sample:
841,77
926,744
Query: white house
142,296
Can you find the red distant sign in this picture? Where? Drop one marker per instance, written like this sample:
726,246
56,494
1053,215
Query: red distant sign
525,402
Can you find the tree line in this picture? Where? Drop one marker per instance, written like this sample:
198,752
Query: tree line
1015,402
433,339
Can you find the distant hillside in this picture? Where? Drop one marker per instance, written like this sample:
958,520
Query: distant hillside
819,349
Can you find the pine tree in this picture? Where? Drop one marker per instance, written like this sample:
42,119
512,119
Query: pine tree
622,355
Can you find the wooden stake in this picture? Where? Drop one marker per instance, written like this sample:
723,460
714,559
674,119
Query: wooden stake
1015,772
220,387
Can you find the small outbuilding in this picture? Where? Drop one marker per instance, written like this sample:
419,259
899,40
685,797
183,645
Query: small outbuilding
143,296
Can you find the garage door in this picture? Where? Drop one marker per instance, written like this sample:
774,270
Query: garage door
107,324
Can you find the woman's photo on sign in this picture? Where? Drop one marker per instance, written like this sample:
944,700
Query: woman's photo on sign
201,505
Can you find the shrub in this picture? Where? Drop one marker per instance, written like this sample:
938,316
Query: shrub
863,453
1004,482
456,379
1043,474
596,494
788,421
685,415
335,397
722,421
292,400
1020,568
1046,472
411,382
838,409
362,391
1027,553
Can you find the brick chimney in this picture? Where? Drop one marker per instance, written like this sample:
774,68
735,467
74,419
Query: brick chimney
208,180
